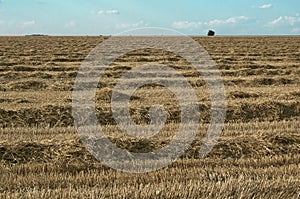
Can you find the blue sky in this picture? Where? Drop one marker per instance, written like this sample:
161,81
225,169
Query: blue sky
108,17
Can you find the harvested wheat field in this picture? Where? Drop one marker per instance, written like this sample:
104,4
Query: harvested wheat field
257,155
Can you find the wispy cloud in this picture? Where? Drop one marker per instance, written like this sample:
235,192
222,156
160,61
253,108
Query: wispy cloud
265,6
186,24
132,25
276,21
28,23
108,12
285,20
215,22
231,20
292,20
40,2
70,24
295,31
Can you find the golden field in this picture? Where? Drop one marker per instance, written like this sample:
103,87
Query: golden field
257,155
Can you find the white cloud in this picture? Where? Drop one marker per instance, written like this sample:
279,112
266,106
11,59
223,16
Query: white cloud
108,12
70,24
266,6
28,23
133,25
193,24
285,20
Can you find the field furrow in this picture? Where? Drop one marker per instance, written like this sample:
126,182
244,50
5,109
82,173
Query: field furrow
257,154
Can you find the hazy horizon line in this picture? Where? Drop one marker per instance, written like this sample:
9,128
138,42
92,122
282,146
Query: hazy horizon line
100,35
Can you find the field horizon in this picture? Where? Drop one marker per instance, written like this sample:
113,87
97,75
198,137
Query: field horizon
188,35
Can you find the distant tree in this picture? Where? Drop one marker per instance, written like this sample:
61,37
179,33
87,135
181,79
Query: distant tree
211,33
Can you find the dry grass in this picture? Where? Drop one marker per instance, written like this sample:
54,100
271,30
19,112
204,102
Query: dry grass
257,156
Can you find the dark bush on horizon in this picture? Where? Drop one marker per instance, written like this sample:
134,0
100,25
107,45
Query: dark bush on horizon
211,33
